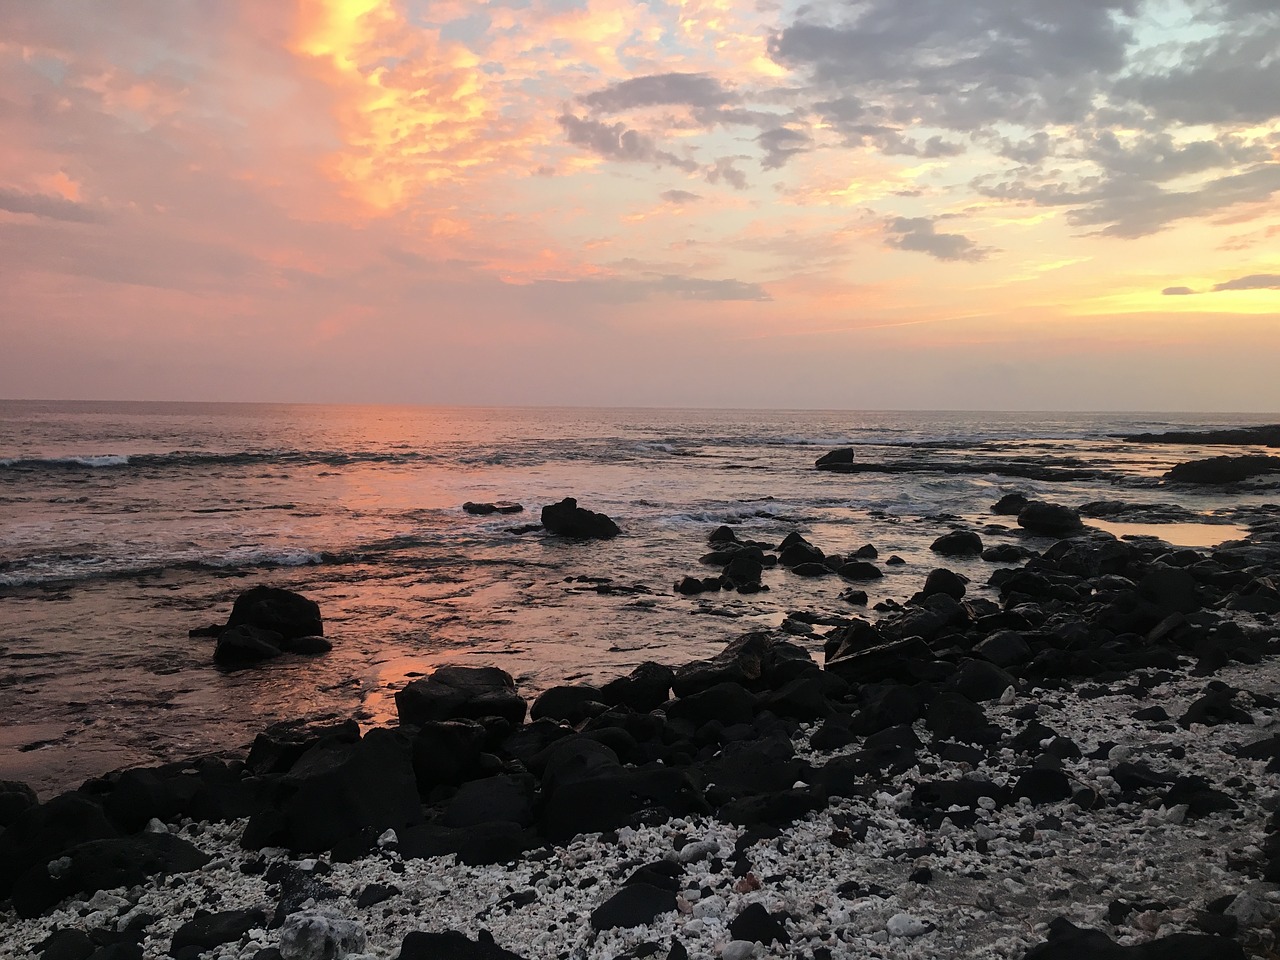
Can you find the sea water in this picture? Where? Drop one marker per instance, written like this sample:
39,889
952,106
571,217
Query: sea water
123,526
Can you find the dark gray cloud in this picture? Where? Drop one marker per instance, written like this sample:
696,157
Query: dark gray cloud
616,141
921,234
689,89
963,66
780,145
1131,205
1257,281
1232,75
48,207
893,143
680,197
1177,291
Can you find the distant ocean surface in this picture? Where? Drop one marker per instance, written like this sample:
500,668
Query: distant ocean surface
124,525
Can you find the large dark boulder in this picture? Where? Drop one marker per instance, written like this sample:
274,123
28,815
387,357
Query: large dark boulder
447,753
340,791
466,693
504,797
282,611
568,519
645,688
746,660
1223,469
571,703
15,797
613,797
945,582
41,833
1049,519
1010,505
102,865
452,945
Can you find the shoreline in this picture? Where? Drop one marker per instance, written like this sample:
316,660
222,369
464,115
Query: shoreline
941,787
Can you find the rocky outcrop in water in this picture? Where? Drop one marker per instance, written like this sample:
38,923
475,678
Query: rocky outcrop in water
1218,470
567,519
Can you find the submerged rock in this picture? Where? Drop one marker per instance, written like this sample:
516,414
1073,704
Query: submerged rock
484,509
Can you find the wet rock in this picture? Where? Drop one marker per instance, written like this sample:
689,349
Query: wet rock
279,746
722,534
453,693
320,935
857,598
859,570
958,543
572,704
1010,504
485,509
1049,519
243,645
728,703
214,929
277,610
945,582
1215,470
835,459
746,661
644,689
567,519
1007,553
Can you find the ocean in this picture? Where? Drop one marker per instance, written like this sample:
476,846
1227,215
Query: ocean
125,525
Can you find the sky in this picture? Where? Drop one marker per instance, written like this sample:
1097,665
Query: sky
859,204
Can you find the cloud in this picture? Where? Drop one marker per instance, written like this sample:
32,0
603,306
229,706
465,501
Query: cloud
680,197
671,286
780,145
962,66
724,169
689,89
616,141
1177,291
46,206
1257,281
920,234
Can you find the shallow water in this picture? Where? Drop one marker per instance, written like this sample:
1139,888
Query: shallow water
122,526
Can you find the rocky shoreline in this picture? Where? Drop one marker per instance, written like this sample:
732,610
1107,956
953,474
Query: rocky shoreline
1086,767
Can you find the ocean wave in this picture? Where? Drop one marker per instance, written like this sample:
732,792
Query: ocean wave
197,458
56,569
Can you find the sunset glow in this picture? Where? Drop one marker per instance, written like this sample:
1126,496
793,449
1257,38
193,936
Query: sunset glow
690,202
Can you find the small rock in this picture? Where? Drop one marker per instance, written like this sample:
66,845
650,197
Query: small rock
905,925
318,935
